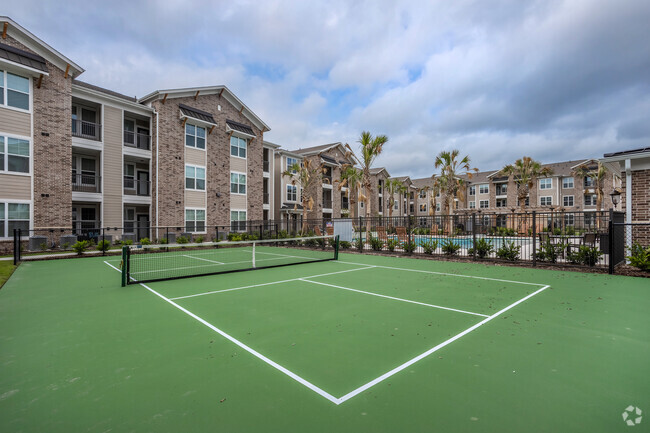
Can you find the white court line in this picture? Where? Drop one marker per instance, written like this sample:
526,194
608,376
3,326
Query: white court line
205,260
442,273
434,349
392,297
268,284
368,385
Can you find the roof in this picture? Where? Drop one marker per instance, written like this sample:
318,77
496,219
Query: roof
627,152
422,182
103,90
269,144
291,206
317,149
240,127
564,168
328,159
376,170
195,113
208,90
22,57
404,179
35,44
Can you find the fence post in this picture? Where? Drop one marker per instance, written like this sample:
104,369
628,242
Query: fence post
408,229
534,238
103,239
610,247
474,236
360,228
16,242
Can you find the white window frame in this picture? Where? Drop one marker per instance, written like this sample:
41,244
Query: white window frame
196,136
546,183
292,190
239,212
487,188
423,207
4,217
205,217
593,199
472,190
4,145
238,183
195,178
481,202
564,199
565,183
438,207
501,200
5,90
239,147
293,161
129,164
545,198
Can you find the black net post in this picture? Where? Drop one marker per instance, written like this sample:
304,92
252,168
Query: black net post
336,247
534,238
16,247
473,236
610,247
125,265
103,240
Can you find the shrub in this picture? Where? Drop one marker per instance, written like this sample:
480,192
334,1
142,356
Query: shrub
409,246
557,232
103,246
199,239
481,248
345,245
80,247
429,246
450,248
164,241
376,244
182,240
145,241
320,242
283,234
358,243
43,246
570,231
391,244
127,242
65,245
234,237
509,251
549,252
640,257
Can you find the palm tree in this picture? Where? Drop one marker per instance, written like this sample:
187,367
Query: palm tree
598,176
306,175
371,147
352,178
450,182
392,187
525,172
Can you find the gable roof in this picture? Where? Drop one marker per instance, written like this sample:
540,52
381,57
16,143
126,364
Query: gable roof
103,90
23,58
627,152
422,182
376,170
208,90
38,46
318,149
197,114
240,127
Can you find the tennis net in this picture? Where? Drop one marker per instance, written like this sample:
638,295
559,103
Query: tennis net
146,263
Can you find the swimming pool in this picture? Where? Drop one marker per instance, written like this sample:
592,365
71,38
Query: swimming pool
467,242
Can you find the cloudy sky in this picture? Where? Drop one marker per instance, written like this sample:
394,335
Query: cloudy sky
497,79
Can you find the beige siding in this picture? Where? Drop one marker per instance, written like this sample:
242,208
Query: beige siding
113,166
195,199
15,122
194,156
238,164
15,187
237,201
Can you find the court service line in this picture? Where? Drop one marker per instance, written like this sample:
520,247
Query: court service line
205,260
443,273
268,284
435,348
394,298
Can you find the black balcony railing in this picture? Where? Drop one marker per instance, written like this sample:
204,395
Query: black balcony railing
327,179
89,130
265,197
86,183
345,205
137,140
136,187
327,204
265,166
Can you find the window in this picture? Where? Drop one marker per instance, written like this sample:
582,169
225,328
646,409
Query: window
129,176
472,190
545,183
380,186
567,182
13,216
237,183
546,201
437,207
568,219
194,136
472,205
195,220
290,163
501,202
567,200
589,182
484,189
237,220
14,90
423,208
194,177
590,219
423,193
238,147
14,155
129,219
502,189
483,204
396,206
291,192
527,201
590,199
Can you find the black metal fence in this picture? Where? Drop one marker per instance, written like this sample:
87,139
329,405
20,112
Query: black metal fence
631,249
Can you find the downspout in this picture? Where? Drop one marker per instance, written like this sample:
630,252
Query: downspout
157,165
628,201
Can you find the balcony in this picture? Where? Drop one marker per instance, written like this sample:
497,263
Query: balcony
265,166
345,205
327,179
87,130
86,183
137,187
265,198
327,204
137,140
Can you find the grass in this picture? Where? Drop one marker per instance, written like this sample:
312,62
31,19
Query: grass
6,269
81,353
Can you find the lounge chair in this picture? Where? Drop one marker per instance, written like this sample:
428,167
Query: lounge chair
401,234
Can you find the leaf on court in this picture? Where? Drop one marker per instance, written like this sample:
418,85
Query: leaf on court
221,401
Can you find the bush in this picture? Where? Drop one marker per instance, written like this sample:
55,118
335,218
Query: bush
549,252
182,240
429,246
127,242
164,241
640,257
234,237
481,248
376,244
320,242
391,244
409,246
509,251
103,246
358,243
65,246
589,255
345,245
570,231
80,247
43,246
199,239
145,241
450,248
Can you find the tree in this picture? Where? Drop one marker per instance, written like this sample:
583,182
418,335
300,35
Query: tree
525,172
450,182
371,148
392,187
351,177
598,175
306,175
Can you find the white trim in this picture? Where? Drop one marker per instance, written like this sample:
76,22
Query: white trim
8,201
205,179
30,142
13,66
230,185
205,147
205,225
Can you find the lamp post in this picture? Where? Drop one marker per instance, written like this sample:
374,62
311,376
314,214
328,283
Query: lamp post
615,195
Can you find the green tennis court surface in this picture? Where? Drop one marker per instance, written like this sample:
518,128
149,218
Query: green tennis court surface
365,343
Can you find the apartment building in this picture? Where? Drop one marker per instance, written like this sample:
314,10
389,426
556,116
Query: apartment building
492,192
77,156
424,195
378,200
287,195
634,165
